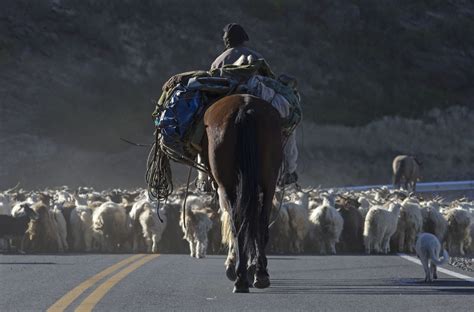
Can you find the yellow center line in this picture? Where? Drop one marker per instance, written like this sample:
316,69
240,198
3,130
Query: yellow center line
72,295
91,301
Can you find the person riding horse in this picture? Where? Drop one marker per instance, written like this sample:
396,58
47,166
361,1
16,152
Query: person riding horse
234,38
242,148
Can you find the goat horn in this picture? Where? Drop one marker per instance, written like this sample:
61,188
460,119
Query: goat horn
13,188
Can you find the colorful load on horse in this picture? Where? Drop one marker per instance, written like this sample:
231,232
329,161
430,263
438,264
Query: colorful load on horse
180,109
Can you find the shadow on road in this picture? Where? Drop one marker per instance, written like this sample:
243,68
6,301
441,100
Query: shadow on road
370,287
34,263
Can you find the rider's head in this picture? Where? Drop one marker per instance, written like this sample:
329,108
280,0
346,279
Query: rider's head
234,35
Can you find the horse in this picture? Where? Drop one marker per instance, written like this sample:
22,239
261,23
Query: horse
407,168
243,150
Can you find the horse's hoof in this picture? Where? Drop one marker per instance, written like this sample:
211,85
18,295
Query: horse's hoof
230,273
261,282
251,270
240,290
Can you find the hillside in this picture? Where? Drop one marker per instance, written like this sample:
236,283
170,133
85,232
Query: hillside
77,75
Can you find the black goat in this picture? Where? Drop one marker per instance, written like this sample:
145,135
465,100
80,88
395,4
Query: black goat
11,227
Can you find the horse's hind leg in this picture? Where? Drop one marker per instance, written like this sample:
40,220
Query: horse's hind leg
230,271
228,235
262,278
241,285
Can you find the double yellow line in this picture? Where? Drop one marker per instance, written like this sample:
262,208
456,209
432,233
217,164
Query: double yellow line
131,264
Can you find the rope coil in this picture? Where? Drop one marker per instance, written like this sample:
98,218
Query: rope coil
158,174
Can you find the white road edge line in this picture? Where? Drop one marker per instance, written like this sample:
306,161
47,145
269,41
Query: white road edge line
443,270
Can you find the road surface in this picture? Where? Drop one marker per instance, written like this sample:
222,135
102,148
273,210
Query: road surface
81,282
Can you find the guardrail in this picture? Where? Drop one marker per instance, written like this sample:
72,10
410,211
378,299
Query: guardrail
422,187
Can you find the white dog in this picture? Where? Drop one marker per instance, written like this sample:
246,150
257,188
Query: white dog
428,249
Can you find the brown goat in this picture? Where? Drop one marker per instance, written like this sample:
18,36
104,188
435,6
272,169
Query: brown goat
351,236
43,233
406,168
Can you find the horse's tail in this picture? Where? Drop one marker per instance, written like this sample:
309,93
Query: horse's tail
398,172
247,209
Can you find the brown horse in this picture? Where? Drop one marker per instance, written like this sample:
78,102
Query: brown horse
243,148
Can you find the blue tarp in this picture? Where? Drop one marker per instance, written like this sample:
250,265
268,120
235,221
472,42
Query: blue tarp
178,116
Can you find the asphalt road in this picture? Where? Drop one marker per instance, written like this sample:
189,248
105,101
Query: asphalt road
181,283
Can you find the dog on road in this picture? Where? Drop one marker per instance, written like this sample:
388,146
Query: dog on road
428,249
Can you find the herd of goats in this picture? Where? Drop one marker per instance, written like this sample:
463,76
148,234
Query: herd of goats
303,221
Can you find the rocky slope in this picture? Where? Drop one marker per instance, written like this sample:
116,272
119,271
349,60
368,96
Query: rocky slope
76,75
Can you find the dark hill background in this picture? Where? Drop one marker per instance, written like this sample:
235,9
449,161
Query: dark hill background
377,78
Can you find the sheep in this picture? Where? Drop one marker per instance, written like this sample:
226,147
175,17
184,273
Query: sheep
57,222
112,226
19,196
138,242
43,235
95,197
196,225
469,242
434,222
288,223
5,204
128,199
171,241
80,200
364,206
61,197
81,228
459,222
406,168
11,227
152,227
351,236
7,199
379,226
410,222
298,217
328,225
209,205
215,234
147,229
312,204
279,228
66,208
61,226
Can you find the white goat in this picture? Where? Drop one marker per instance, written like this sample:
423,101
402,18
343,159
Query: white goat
279,228
434,222
6,204
196,224
379,226
152,227
63,197
410,223
298,217
112,224
146,225
328,225
469,243
364,206
81,228
459,222
61,227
